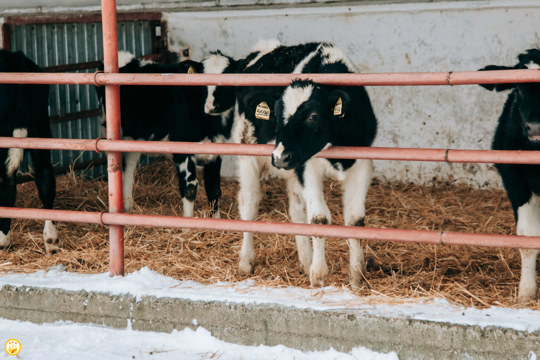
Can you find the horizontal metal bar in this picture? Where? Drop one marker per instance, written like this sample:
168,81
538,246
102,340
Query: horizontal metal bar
380,79
332,231
334,152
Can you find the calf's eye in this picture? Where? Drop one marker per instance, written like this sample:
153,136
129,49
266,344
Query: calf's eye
312,117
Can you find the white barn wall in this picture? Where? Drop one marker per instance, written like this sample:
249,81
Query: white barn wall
440,36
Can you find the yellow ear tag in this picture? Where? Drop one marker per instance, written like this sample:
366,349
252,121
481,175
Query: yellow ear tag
262,111
338,107
191,70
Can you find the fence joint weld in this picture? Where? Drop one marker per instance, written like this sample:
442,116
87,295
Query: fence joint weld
441,238
446,155
96,144
96,82
101,218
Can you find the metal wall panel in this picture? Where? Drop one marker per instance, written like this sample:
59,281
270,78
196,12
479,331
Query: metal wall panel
68,43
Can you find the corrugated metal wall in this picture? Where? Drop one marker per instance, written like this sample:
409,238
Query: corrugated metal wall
68,43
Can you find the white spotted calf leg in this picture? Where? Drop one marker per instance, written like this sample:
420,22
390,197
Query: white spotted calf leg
297,211
317,213
50,237
188,206
318,272
528,224
249,197
128,177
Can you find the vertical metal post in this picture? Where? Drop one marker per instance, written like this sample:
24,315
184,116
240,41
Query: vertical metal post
114,159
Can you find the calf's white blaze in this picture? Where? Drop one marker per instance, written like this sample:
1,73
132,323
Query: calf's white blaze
293,97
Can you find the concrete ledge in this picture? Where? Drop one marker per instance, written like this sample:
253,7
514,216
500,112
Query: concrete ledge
270,324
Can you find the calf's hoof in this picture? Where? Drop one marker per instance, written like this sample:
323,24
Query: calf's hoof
52,246
245,267
527,298
355,279
318,276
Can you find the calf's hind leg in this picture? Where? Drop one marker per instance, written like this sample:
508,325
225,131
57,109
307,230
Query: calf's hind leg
212,185
249,197
46,185
187,177
297,212
8,193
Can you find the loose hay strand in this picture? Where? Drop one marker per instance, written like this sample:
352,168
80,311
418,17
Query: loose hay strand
464,275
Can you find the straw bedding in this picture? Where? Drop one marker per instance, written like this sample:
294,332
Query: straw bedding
469,276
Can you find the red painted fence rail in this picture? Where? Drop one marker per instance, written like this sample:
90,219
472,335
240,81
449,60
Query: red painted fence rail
334,152
332,231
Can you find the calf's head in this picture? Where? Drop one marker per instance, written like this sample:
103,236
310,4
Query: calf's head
305,115
526,96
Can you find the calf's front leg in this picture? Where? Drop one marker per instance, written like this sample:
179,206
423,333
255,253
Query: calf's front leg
356,185
317,213
528,224
249,197
188,183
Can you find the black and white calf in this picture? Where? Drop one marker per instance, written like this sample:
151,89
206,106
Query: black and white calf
311,117
172,113
24,113
519,129
256,122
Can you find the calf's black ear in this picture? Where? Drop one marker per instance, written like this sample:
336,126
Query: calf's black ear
497,87
258,105
339,103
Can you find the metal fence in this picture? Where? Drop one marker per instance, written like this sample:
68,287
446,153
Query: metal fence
114,147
